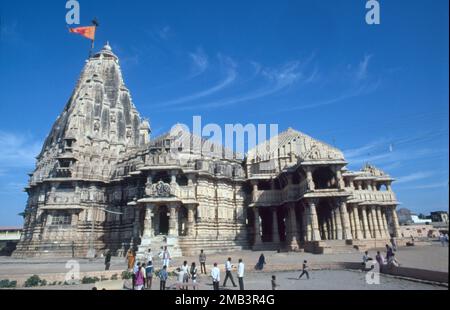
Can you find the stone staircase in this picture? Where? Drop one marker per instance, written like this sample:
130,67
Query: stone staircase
330,247
157,243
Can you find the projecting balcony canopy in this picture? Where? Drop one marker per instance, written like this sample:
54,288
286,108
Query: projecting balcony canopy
161,193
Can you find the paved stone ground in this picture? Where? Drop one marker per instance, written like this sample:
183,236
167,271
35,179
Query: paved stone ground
319,280
431,256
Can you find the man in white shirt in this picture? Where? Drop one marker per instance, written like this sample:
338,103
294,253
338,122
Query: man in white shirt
149,256
228,275
166,257
241,274
215,274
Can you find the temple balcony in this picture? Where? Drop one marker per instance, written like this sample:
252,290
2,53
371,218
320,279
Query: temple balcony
161,190
59,198
376,197
64,172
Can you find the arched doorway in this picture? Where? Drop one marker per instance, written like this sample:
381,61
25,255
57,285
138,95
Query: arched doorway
163,220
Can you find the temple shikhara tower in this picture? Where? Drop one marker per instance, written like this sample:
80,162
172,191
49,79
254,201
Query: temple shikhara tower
102,183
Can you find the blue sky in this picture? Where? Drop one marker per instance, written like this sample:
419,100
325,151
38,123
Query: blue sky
379,93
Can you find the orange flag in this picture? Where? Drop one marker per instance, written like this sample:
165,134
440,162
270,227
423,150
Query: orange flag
87,32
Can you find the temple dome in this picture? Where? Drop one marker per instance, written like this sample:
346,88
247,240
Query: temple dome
106,51
296,145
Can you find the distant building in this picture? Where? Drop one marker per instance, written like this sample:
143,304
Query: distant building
417,220
404,216
418,231
439,216
9,237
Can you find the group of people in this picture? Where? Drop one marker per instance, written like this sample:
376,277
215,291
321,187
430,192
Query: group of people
443,238
142,273
388,260
215,274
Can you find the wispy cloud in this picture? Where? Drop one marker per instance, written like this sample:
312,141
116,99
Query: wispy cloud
199,61
358,82
12,188
9,32
361,71
230,77
164,32
279,79
427,186
393,152
416,176
365,149
17,150
352,93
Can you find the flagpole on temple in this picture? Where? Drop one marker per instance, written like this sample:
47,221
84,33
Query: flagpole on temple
92,49
95,24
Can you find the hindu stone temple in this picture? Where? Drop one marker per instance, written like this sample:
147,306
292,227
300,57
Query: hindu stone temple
102,183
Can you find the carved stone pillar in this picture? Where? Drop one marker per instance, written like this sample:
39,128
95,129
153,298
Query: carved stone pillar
329,228
395,222
340,179
190,220
190,178
358,234
255,190
325,230
137,223
315,235
375,228
366,228
292,238
388,186
385,223
359,185
380,222
307,230
275,232
309,178
370,221
257,226
332,225
173,177
148,229
173,220
346,230
352,222
338,221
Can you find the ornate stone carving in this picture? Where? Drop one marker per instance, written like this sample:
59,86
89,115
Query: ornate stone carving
159,189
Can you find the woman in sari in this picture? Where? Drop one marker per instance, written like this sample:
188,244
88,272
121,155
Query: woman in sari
131,258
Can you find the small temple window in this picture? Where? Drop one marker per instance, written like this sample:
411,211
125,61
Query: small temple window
61,218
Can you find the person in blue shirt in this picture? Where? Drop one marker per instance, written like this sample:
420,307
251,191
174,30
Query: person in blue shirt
163,275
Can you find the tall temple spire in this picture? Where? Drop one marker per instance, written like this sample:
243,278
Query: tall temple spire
99,122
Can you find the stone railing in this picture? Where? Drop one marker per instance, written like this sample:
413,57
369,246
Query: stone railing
63,198
267,196
162,189
289,193
374,196
160,159
185,192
